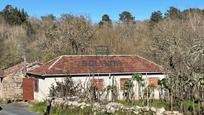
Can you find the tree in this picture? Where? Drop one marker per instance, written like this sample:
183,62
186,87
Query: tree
14,16
113,90
126,17
70,31
173,13
155,17
128,90
140,81
105,21
65,88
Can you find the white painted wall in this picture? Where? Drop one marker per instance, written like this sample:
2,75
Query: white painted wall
45,84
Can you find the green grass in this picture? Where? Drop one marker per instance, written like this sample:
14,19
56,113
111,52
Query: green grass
38,107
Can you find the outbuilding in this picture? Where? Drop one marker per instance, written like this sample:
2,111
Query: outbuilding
103,69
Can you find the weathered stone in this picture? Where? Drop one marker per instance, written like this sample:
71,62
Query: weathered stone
160,111
145,109
96,106
138,108
112,107
152,109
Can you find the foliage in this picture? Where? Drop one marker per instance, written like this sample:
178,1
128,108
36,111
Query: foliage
65,88
14,16
106,21
38,107
155,18
126,17
175,41
173,13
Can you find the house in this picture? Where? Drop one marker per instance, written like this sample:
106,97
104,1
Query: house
103,70
12,80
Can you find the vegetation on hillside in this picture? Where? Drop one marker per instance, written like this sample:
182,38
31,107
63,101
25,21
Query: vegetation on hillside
174,39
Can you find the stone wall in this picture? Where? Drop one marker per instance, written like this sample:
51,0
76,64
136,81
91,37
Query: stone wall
1,88
12,86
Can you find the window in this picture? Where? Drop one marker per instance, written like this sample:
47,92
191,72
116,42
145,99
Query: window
98,83
122,82
36,82
154,81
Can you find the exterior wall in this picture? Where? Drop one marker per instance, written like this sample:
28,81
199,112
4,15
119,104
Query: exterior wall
1,88
44,84
43,88
12,86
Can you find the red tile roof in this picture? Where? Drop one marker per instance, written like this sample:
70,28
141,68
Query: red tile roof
86,64
13,69
16,68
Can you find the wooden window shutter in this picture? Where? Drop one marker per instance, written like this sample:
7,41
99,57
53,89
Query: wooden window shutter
98,83
122,82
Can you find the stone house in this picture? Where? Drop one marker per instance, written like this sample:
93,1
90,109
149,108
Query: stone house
12,81
102,70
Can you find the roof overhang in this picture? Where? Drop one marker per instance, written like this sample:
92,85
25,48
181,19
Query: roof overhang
43,76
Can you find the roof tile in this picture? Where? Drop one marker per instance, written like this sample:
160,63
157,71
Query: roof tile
69,64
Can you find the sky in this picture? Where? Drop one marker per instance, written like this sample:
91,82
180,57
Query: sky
94,9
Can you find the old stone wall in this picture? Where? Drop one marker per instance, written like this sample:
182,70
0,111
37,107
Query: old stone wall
12,86
1,88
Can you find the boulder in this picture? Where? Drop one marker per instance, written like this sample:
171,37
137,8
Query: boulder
82,105
145,109
152,109
96,107
111,110
138,108
132,109
160,111
113,107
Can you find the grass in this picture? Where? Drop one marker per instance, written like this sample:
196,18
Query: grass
38,107
70,110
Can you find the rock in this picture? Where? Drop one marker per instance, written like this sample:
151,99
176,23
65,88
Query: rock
168,113
138,108
96,107
74,103
113,107
111,110
160,111
152,109
136,112
145,109
88,105
82,105
132,109
177,113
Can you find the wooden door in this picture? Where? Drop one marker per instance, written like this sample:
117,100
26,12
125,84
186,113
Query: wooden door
28,89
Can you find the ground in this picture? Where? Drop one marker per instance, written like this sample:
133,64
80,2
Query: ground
16,109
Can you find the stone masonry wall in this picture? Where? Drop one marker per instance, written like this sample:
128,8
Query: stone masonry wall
12,86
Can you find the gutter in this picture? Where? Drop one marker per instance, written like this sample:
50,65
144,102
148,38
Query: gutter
43,76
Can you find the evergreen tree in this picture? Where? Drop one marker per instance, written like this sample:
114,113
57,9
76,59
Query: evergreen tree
14,16
105,20
126,17
173,13
156,17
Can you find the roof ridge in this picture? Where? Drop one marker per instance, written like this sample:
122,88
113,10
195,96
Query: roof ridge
59,58
99,55
150,61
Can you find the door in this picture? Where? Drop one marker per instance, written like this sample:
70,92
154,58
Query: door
28,92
